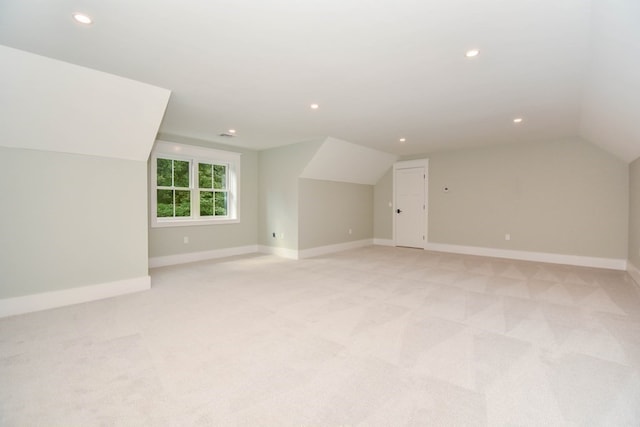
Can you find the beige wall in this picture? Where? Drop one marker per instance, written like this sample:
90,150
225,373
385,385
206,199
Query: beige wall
328,209
382,212
278,192
634,213
272,202
165,241
70,220
90,225
564,197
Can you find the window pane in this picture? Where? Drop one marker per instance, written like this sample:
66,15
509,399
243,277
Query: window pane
221,204
165,203
180,174
204,175
206,203
220,177
183,203
164,172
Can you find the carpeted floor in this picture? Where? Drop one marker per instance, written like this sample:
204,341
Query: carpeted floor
371,337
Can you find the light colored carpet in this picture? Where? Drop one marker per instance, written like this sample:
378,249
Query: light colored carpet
371,337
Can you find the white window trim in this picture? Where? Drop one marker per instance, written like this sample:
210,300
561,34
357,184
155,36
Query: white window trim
193,154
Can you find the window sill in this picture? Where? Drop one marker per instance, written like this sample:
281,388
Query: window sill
192,222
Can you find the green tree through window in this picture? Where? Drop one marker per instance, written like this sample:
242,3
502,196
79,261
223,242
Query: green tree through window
212,183
193,185
173,193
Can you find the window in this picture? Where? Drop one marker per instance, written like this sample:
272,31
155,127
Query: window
193,185
212,183
173,189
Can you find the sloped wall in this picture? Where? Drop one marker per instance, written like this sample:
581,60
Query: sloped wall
612,89
341,161
56,106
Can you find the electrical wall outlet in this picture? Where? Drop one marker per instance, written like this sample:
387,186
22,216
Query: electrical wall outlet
507,236
185,240
350,231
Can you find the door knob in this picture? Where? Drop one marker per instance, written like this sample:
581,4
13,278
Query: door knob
398,211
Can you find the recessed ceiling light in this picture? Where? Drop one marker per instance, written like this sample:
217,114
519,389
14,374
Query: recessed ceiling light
472,53
314,106
232,131
403,139
82,18
518,120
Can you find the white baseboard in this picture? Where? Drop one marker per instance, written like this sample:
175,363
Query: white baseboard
582,261
55,299
384,242
323,250
317,251
163,261
633,272
281,252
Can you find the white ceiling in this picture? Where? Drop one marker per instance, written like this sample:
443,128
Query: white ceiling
380,70
342,161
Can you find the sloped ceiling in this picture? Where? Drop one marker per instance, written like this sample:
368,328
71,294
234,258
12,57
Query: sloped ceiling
380,71
342,161
611,109
55,106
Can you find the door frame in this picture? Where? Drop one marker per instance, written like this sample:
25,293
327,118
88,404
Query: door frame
409,164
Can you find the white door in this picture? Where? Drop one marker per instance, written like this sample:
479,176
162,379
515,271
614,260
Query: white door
410,207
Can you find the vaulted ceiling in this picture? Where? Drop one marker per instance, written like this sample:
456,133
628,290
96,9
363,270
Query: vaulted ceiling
378,70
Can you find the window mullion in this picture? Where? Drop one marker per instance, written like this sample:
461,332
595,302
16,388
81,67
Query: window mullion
173,173
173,187
195,196
173,200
